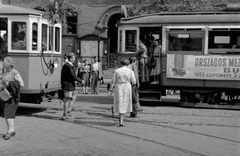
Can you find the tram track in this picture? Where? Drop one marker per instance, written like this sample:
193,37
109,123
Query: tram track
100,113
191,153
160,124
83,121
163,124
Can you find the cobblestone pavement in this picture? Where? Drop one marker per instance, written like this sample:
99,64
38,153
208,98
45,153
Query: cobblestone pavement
159,131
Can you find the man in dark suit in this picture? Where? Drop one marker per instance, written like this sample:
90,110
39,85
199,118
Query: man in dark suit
68,78
135,95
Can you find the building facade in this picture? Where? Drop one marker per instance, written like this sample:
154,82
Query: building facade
81,33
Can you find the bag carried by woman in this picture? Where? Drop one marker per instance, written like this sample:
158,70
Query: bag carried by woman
4,94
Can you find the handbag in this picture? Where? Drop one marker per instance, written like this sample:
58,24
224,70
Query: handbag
5,95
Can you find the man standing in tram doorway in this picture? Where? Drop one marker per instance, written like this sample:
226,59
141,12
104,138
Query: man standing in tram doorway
68,78
143,52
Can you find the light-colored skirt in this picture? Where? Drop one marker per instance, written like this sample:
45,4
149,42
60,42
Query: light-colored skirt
122,97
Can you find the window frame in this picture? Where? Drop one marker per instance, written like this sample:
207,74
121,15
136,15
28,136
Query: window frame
31,38
186,31
10,22
122,38
72,14
222,50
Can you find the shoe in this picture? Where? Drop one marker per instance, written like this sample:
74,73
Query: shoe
86,92
121,124
65,117
140,110
9,135
13,134
134,116
69,115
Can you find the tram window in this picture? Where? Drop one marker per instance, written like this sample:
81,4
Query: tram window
19,35
44,37
185,42
224,39
131,40
57,39
50,38
34,36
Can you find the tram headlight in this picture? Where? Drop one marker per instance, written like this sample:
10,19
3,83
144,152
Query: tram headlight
55,63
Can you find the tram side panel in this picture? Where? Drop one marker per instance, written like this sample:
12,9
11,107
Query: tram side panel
223,81
207,89
39,80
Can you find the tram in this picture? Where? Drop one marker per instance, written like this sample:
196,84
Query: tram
199,54
34,42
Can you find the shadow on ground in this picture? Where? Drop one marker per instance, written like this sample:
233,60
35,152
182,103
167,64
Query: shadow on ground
95,99
27,111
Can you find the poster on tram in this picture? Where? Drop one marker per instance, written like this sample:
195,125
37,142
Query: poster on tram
205,67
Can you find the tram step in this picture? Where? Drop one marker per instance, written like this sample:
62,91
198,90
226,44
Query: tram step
150,91
149,100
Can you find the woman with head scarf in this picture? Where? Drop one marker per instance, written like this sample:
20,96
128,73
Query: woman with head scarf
122,81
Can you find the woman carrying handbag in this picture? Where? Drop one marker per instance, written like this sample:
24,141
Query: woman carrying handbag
12,82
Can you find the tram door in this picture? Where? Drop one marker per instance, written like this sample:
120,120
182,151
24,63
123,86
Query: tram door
3,37
151,37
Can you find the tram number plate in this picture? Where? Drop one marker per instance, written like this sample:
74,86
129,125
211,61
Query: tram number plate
53,83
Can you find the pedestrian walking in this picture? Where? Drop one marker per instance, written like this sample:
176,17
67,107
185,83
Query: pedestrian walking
68,78
135,95
122,81
12,82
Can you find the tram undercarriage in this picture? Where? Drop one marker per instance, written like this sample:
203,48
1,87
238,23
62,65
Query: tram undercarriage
209,97
40,97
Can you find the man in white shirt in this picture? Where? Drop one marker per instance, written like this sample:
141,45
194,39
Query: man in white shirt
95,76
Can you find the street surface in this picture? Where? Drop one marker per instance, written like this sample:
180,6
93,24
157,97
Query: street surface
165,130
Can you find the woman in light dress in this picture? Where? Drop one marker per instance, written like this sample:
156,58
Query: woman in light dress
157,68
122,81
85,70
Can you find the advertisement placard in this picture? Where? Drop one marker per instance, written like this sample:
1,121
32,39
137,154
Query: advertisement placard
208,67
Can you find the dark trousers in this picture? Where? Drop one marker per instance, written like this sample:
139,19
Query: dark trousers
134,100
95,82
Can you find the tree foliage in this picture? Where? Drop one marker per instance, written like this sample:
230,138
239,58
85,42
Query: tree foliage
178,6
64,8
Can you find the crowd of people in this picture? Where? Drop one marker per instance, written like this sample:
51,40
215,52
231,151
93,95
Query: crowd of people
150,66
124,85
149,51
91,75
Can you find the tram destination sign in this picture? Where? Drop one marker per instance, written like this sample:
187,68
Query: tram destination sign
206,67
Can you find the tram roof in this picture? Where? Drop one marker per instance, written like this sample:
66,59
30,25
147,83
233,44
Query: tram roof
184,18
14,10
